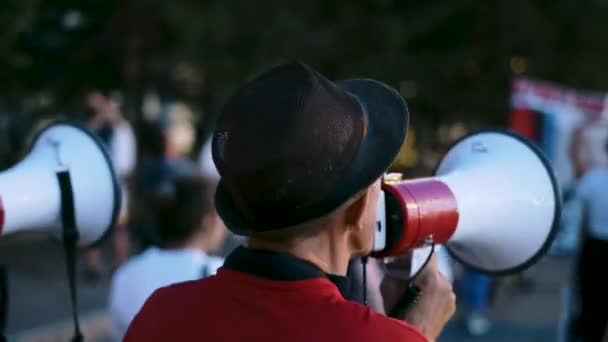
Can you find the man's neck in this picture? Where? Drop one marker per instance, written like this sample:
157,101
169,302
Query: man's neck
330,256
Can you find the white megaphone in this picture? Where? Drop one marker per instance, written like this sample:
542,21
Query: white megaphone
494,203
33,197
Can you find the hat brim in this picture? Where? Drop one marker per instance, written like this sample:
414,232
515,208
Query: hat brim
386,129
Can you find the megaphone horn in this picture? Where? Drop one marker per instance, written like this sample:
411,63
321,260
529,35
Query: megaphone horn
31,191
494,202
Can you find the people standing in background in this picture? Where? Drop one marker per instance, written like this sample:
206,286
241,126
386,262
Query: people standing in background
189,231
206,161
475,291
160,163
567,330
209,170
590,283
106,120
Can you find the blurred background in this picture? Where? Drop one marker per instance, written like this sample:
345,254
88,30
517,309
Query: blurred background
535,66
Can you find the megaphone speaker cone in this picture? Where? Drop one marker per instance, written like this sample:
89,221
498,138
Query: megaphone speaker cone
508,200
30,193
494,201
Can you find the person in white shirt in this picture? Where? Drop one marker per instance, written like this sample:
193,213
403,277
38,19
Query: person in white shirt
189,230
106,120
591,282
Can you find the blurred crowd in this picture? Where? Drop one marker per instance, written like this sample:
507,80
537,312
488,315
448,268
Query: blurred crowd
167,230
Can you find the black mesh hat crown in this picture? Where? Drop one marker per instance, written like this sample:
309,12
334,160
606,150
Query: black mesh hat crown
292,146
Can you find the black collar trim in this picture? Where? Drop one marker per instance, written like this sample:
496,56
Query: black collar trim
282,267
271,265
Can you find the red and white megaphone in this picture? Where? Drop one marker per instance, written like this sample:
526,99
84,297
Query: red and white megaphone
33,194
494,202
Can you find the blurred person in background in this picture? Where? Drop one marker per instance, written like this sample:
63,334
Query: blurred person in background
106,120
590,282
475,290
208,169
205,161
202,156
189,231
160,163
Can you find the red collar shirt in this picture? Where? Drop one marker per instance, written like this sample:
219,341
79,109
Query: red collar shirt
261,296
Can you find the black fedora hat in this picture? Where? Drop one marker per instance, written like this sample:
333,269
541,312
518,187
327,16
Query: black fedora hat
292,146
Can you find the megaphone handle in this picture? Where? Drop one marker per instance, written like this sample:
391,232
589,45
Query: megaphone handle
406,302
364,271
70,238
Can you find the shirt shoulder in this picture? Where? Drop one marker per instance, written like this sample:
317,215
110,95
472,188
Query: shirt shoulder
338,319
164,305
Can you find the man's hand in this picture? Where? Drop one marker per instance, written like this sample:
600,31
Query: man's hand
436,305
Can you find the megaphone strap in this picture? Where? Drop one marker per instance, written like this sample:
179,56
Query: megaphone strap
70,238
406,302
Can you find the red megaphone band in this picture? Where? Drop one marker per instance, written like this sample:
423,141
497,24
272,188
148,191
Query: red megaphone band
418,210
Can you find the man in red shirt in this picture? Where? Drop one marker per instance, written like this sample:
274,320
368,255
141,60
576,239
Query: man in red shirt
300,159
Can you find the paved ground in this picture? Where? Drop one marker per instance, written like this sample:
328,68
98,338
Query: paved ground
523,315
38,291
39,302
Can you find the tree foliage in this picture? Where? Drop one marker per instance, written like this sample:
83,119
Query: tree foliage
452,60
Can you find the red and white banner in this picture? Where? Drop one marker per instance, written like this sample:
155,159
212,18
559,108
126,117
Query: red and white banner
551,115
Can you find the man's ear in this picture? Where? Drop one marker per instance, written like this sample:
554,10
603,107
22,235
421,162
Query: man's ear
356,210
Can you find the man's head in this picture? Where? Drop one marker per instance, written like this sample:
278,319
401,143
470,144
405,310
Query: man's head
354,222
185,214
297,153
